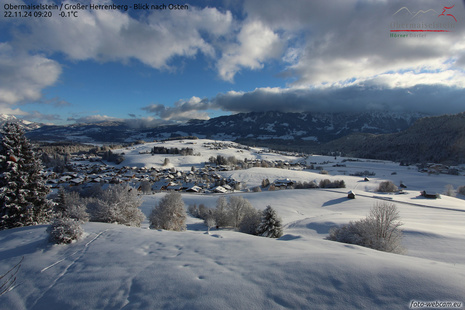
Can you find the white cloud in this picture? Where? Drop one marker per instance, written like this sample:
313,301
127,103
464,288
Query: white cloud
94,119
38,116
182,110
331,49
106,35
256,44
7,109
24,76
346,40
369,95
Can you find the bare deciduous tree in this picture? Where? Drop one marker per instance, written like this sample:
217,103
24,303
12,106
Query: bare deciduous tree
379,230
169,214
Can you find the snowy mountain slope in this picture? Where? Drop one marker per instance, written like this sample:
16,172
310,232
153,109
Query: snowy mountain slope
295,126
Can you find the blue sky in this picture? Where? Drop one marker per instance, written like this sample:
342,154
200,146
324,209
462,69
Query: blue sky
223,57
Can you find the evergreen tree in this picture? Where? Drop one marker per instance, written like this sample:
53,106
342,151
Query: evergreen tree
23,193
270,225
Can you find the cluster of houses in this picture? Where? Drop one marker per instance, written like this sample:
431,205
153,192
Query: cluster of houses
86,172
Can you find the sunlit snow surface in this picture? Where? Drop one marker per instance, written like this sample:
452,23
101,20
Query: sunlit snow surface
118,267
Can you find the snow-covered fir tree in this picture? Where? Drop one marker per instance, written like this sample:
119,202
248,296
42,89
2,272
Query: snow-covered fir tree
23,193
270,225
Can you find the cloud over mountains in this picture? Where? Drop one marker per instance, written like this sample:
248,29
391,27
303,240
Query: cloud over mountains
332,55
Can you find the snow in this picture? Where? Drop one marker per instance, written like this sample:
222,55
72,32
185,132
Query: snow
310,138
119,267
202,147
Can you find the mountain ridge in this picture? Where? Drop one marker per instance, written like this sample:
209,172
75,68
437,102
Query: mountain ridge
314,127
407,137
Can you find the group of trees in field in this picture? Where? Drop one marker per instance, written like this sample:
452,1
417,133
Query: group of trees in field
380,230
238,213
116,158
325,183
186,151
117,204
387,187
450,191
238,164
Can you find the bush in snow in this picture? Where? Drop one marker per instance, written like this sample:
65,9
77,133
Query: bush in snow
270,225
65,230
146,187
250,221
379,230
265,183
387,187
193,210
169,213
237,207
210,222
23,193
304,185
117,204
461,190
70,205
236,212
204,212
449,190
220,214
94,191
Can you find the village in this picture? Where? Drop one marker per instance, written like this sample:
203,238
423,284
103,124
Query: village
87,170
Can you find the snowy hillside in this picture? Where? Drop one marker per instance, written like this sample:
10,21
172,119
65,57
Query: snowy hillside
119,267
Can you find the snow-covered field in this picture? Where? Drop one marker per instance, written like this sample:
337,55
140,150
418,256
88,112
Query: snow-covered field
118,267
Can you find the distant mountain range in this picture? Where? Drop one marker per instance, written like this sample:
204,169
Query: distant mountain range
26,125
314,128
409,137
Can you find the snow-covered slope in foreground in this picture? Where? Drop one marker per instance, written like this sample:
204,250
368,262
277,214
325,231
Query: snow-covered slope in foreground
118,267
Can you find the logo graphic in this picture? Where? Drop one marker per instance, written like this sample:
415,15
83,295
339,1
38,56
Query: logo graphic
447,8
421,22
414,15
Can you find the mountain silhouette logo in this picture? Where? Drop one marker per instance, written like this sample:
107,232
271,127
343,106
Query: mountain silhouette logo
413,14
422,12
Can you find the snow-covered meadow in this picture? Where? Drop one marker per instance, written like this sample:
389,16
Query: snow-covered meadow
119,267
